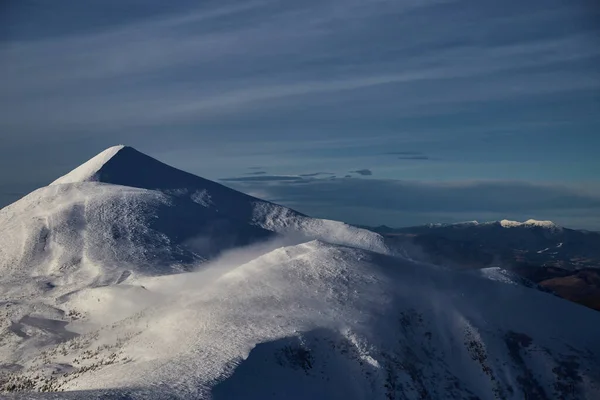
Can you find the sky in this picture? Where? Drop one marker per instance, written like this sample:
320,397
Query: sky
372,112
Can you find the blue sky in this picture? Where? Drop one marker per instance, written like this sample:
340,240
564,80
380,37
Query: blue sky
448,110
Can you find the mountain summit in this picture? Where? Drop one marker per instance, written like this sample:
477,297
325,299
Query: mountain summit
90,171
126,166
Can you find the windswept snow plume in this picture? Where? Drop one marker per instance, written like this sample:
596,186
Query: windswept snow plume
127,278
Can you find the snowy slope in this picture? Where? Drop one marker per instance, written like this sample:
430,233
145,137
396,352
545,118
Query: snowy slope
120,216
322,321
127,278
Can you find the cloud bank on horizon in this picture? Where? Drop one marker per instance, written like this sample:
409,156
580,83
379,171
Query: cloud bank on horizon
386,201
432,92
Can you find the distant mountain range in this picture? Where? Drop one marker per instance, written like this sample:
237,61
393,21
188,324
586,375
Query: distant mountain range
564,261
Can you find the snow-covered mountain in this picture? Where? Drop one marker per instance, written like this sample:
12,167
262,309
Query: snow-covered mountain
127,278
123,212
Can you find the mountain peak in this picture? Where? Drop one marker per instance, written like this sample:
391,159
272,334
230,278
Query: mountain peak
89,171
126,166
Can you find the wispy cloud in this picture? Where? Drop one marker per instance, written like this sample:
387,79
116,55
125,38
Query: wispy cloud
256,173
316,174
236,59
405,153
264,178
415,157
364,172
409,155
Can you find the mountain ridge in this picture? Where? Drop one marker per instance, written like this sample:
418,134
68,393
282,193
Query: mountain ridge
505,223
552,258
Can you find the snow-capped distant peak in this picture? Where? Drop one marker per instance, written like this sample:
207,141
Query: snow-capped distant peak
529,223
467,223
505,223
545,224
88,171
